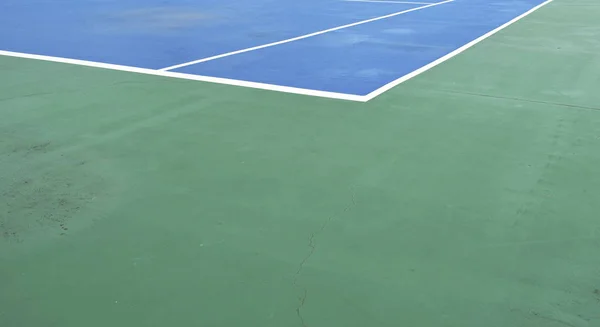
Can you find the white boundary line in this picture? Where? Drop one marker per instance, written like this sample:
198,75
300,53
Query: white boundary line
389,1
194,62
454,53
272,87
218,80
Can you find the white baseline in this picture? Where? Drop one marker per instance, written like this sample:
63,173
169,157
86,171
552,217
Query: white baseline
210,79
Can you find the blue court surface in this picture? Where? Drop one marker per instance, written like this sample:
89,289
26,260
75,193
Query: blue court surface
344,47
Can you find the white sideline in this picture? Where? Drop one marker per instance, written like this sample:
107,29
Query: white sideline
454,53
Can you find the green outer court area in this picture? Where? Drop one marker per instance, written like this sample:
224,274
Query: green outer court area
468,196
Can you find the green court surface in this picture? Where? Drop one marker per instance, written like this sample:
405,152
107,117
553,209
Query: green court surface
468,196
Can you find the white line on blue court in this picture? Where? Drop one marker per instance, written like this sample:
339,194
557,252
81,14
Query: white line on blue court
297,38
273,87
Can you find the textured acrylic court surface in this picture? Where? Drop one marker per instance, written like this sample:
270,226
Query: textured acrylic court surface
466,197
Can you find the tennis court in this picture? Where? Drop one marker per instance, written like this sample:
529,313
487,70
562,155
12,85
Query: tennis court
300,163
345,49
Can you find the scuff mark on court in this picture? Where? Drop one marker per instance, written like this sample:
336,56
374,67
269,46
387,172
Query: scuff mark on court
42,198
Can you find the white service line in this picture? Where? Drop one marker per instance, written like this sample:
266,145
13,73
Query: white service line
390,1
210,79
454,53
302,36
